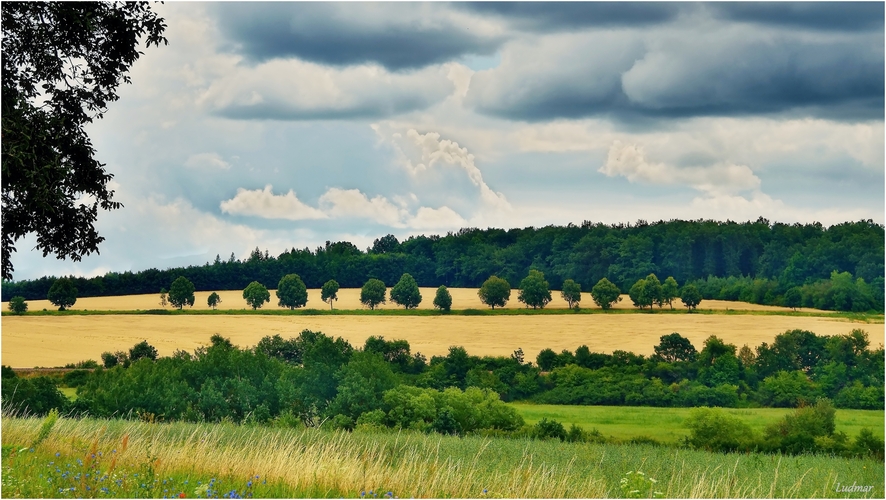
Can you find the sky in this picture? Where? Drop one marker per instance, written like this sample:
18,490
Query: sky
280,125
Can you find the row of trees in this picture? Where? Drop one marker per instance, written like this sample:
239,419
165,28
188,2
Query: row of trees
698,252
293,293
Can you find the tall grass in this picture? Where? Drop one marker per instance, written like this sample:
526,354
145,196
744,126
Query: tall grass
312,462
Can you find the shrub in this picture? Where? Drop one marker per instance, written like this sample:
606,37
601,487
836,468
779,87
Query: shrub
18,305
549,429
715,430
142,350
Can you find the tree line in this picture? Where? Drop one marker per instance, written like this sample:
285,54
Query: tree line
534,292
755,261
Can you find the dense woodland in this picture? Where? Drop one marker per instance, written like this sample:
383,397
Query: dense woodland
838,267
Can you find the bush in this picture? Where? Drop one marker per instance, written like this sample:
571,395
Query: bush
715,430
18,305
797,432
549,429
75,378
142,350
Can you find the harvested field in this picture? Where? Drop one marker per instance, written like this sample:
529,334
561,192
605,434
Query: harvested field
349,298
30,341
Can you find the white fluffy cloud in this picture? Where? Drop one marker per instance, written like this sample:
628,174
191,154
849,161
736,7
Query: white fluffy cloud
264,203
353,203
436,218
341,204
629,161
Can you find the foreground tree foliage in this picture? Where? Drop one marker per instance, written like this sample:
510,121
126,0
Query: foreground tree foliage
181,293
256,295
495,291
292,292
373,293
406,293
63,293
62,65
534,290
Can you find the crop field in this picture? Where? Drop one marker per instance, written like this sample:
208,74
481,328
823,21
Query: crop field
667,424
349,298
116,458
47,341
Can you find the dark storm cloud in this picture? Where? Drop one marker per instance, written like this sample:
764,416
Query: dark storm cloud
733,71
838,16
555,16
395,35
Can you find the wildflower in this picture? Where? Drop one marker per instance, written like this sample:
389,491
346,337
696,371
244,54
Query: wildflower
484,491
249,484
362,493
182,494
57,454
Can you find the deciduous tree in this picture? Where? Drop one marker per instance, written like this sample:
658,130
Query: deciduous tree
571,293
534,290
292,292
213,300
256,295
443,299
495,291
691,297
181,292
329,292
62,65
605,294
669,291
373,293
62,293
406,293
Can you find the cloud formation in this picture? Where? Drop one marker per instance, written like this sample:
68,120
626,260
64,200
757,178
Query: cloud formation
697,67
397,36
298,90
553,16
264,203
431,150
338,203
629,161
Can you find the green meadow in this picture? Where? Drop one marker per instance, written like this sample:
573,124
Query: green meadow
666,424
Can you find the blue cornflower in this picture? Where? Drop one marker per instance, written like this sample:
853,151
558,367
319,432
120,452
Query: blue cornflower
249,484
57,454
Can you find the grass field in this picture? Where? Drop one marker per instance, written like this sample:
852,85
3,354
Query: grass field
139,459
666,424
30,341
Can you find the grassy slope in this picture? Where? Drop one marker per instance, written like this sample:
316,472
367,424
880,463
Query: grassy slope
666,424
320,463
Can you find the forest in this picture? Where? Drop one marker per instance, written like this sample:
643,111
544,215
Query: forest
835,268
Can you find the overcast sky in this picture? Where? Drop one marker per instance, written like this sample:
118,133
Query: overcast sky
283,125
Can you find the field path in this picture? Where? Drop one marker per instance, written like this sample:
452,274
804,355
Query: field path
47,341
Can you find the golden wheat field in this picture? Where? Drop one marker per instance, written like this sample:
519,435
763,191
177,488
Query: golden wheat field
29,341
349,298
